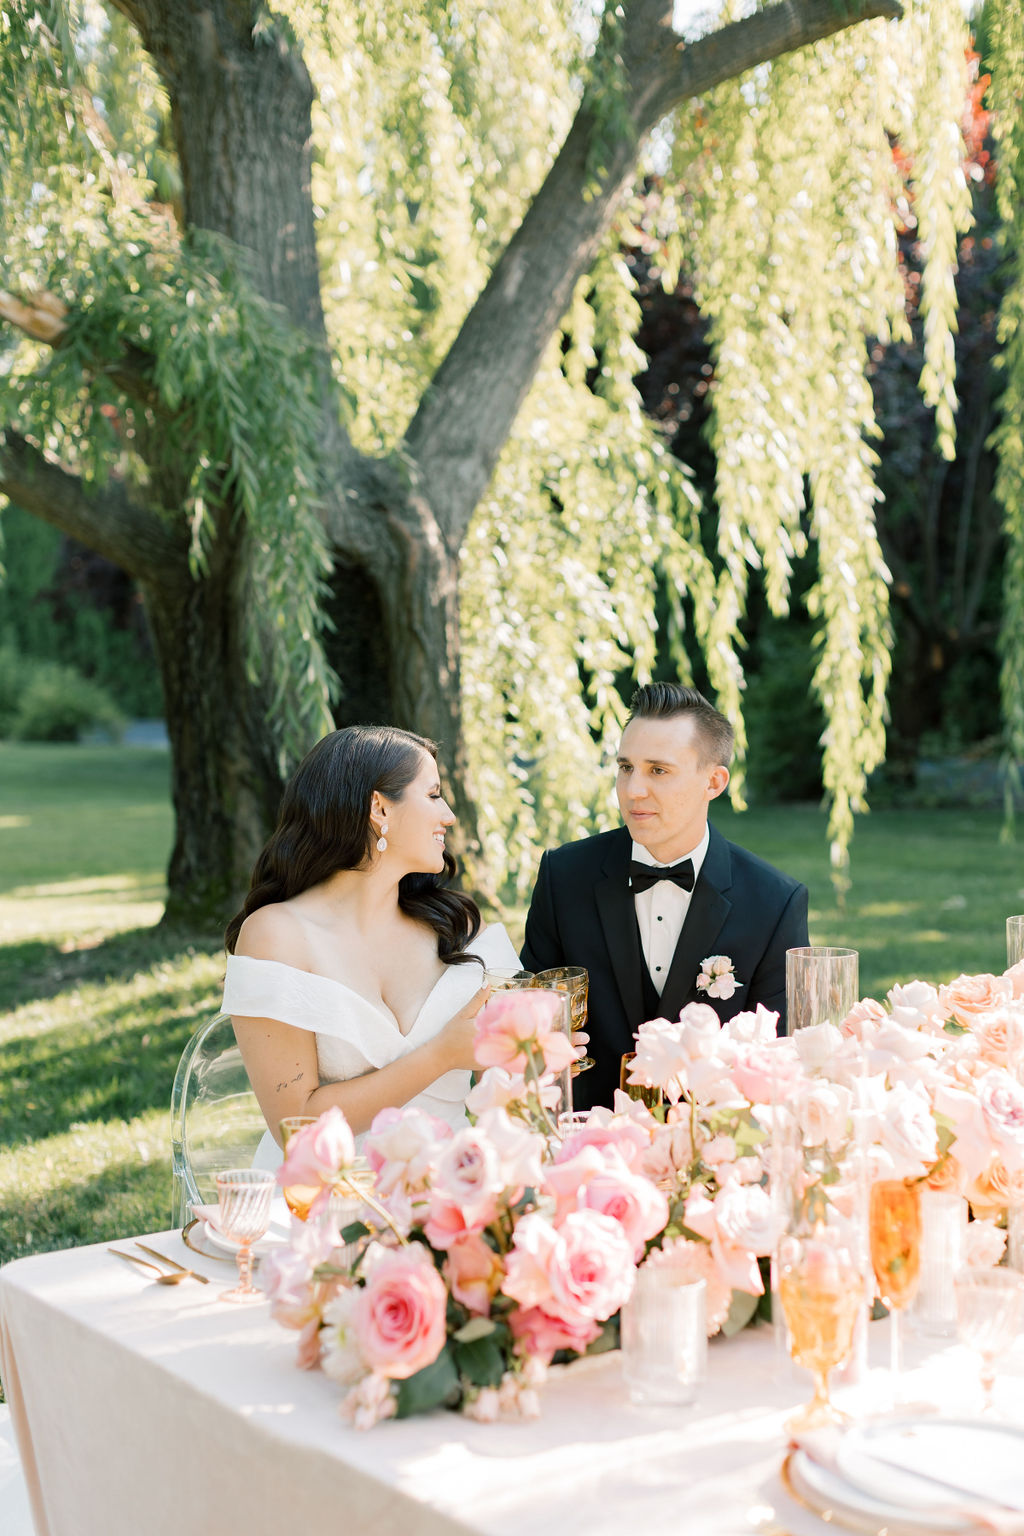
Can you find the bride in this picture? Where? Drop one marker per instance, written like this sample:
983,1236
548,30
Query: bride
354,971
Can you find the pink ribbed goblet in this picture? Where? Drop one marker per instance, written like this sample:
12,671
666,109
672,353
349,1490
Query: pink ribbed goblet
244,1196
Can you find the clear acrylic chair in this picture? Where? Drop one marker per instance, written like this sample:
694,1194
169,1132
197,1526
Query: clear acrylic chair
216,1121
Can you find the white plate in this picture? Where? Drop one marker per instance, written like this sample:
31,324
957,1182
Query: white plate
973,1462
205,1232
829,1494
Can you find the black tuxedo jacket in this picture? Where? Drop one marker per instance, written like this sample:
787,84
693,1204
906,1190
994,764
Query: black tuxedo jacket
582,913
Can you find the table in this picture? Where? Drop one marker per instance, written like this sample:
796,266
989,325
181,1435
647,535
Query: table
147,1410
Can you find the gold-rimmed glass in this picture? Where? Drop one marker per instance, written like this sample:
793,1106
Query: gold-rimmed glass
502,980
652,1097
244,1196
574,981
821,1288
298,1197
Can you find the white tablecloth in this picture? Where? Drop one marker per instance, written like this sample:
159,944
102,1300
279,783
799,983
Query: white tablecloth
145,1410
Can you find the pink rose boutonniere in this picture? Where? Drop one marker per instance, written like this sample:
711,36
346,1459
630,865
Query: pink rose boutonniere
717,976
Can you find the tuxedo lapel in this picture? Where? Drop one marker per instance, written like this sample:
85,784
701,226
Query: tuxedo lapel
617,912
709,908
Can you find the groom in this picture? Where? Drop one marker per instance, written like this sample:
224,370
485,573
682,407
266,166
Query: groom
642,907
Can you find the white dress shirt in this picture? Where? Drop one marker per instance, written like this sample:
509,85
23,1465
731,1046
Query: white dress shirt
661,911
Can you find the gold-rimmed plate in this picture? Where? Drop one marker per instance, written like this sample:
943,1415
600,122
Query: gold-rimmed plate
827,1494
200,1237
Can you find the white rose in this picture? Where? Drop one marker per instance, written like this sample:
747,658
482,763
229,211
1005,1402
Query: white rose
908,1132
822,1110
816,1045
917,1006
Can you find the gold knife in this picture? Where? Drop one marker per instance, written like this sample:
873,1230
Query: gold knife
203,1279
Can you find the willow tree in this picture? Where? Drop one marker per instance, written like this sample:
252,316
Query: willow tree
317,320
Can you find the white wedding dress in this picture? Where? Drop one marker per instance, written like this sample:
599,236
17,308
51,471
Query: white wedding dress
353,1035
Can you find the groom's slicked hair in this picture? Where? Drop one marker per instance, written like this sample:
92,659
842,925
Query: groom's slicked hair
669,701
324,826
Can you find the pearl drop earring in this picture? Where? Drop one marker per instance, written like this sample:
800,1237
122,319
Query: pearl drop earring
382,841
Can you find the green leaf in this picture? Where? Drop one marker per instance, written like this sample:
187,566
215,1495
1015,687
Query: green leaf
481,1362
741,1309
354,1231
436,1386
607,1339
476,1328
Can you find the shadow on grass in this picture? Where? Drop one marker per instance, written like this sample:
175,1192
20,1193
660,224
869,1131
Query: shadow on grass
113,1065
36,969
127,1197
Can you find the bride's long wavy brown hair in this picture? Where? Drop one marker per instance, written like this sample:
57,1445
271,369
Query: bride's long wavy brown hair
324,826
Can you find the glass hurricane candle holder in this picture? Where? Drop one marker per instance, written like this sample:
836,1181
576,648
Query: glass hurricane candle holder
1014,940
664,1337
821,985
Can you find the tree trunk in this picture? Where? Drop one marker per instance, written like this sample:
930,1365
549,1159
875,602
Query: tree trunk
225,784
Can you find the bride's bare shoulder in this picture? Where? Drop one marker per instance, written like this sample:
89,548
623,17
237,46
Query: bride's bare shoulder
278,931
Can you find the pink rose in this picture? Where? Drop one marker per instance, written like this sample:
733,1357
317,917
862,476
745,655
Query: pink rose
319,1152
399,1315
1015,976
474,1273
583,1269
401,1146
630,1199
973,1144
767,1073
627,1136
468,1175
307,1355
1000,1036
540,1334
867,1011
968,997
738,1224
514,1023
1001,1100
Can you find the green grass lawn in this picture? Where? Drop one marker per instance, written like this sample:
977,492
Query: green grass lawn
96,1002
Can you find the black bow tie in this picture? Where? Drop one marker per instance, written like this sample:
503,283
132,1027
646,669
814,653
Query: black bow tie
643,876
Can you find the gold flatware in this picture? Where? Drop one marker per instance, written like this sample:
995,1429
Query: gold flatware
164,1259
163,1276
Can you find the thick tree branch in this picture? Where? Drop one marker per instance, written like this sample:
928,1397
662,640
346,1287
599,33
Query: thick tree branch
467,413
105,518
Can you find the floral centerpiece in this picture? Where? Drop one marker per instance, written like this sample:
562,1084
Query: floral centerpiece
476,1256
480,1252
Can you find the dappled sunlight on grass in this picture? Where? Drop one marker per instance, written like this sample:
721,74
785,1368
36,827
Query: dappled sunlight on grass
87,1185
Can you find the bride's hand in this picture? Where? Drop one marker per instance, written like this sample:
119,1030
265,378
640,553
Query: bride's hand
458,1034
